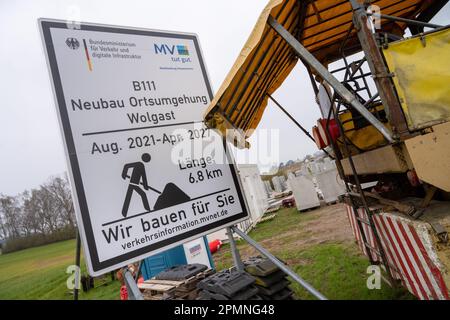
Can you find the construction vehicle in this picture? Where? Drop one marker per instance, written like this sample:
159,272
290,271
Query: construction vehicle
386,120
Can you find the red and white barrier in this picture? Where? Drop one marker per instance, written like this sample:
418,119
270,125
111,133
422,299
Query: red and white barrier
409,249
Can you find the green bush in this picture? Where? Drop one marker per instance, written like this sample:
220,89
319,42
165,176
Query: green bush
36,240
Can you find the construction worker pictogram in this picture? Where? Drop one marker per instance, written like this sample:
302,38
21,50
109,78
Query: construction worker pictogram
170,196
138,178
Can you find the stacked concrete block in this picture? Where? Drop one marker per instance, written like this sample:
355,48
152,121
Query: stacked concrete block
271,282
277,184
329,182
304,192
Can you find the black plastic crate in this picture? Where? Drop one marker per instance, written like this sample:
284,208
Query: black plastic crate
181,272
248,293
285,294
226,282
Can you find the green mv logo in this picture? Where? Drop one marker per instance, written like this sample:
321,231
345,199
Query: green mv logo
182,50
177,53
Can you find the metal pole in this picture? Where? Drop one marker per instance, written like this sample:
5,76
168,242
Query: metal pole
408,21
296,122
138,270
280,265
365,204
77,270
329,78
234,251
380,72
132,289
311,78
291,117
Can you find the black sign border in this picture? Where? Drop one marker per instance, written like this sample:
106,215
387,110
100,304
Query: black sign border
97,265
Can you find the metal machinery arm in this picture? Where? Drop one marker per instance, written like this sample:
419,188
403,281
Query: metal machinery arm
308,58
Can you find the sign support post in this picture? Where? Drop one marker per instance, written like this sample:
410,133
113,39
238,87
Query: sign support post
77,264
132,289
234,251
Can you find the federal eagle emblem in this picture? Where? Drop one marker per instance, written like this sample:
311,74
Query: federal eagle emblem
72,43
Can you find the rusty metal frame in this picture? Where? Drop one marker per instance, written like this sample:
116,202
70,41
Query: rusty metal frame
329,78
379,71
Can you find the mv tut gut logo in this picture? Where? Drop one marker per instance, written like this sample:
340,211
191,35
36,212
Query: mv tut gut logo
178,53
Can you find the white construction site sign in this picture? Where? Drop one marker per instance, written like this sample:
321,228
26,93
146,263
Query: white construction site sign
130,105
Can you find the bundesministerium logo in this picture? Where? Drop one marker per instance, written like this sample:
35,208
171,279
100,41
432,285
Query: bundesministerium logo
178,53
72,43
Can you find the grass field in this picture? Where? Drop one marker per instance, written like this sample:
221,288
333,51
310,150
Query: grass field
318,245
40,273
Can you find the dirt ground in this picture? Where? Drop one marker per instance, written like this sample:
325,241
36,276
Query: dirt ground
320,247
325,224
331,224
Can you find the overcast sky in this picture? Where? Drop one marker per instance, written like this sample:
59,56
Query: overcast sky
30,139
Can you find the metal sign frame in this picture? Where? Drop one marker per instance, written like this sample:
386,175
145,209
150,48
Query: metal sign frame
95,266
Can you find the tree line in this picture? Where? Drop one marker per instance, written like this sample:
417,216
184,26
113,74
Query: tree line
37,216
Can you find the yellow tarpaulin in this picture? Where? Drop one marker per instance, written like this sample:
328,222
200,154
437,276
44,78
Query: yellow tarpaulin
421,67
266,60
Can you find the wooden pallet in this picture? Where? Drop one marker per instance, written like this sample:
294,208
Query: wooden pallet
267,218
155,289
190,284
188,295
